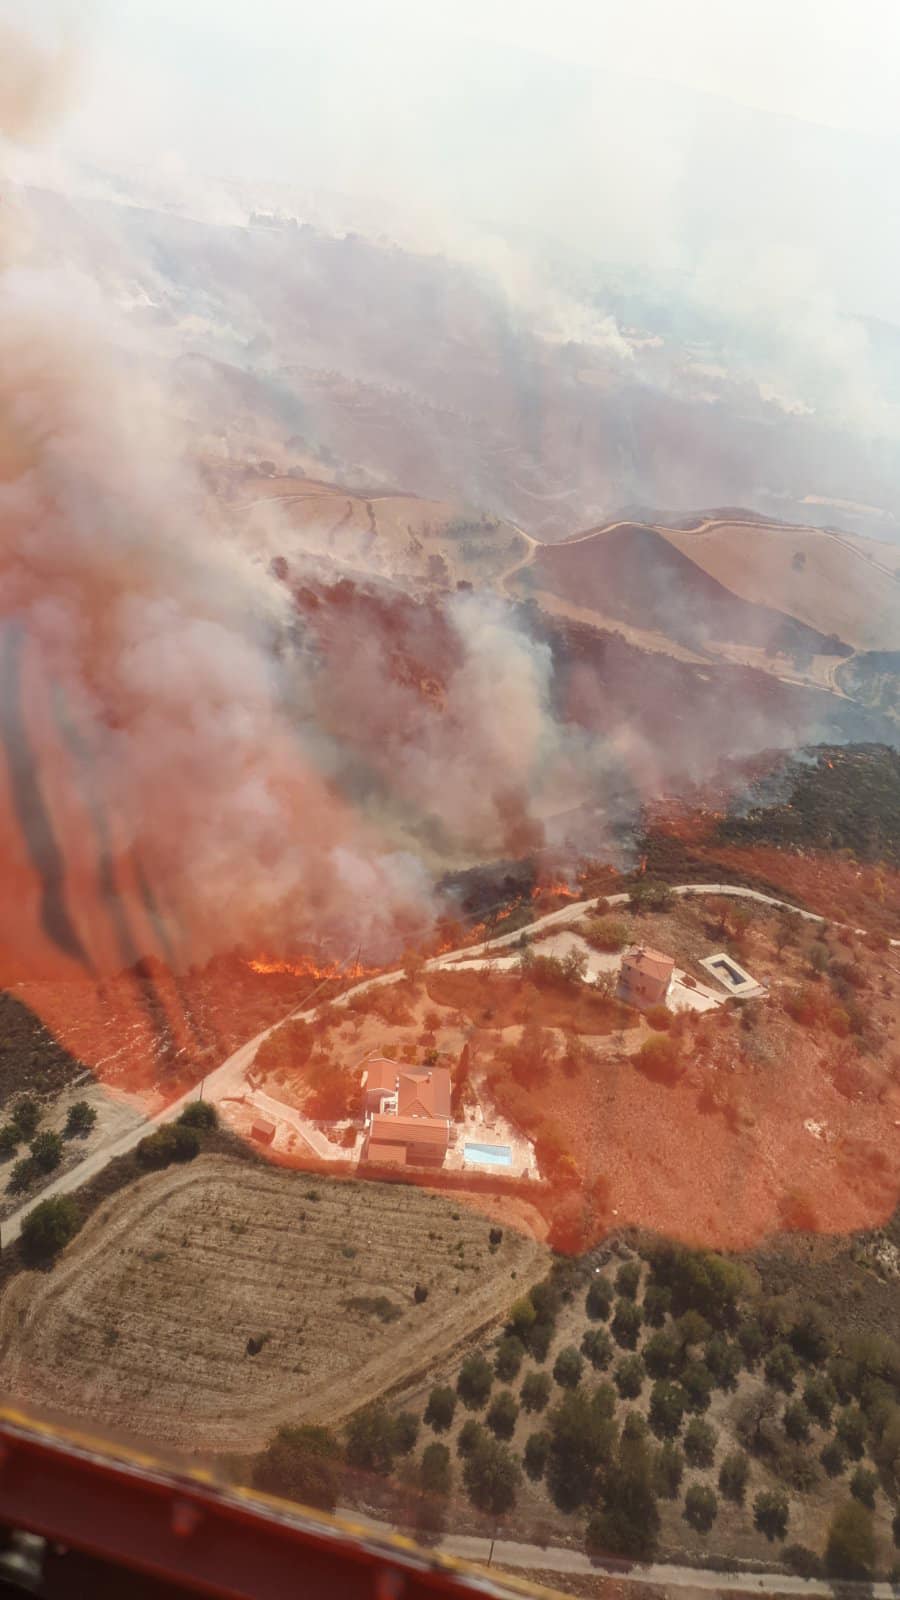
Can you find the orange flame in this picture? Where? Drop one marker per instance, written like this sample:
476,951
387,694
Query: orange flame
307,967
563,890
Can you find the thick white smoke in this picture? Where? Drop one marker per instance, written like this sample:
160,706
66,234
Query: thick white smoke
173,737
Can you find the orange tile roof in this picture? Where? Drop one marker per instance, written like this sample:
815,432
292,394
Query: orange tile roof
424,1092
382,1074
407,1130
652,962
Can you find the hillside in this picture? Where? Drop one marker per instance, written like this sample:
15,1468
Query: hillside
383,532
639,575
829,582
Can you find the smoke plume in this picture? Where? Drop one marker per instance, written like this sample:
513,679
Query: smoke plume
175,780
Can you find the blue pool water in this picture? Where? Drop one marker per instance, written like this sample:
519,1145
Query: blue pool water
491,1155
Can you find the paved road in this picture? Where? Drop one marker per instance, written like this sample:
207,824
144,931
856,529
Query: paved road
231,1074
560,1558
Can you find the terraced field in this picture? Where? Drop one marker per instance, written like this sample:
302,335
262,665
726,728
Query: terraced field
209,1304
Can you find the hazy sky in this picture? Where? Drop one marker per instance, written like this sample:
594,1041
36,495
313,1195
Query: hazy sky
676,133
833,62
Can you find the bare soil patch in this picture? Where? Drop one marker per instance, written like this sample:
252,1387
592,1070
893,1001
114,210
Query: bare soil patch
502,1002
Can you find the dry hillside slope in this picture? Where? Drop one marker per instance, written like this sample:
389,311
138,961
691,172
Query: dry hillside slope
831,584
640,576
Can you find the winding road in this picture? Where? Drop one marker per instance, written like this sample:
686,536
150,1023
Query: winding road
231,1075
510,1554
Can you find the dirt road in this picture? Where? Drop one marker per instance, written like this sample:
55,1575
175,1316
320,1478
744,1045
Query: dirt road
549,1558
534,545
230,1076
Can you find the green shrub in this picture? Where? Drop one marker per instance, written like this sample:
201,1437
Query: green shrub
628,1523
199,1114
798,1559
26,1114
301,1464
598,1303
628,1377
752,1341
502,1414
651,895
699,1443
700,1507
771,1513
441,1408
657,1303
23,1175
809,1336
46,1151
863,1485
607,933
492,1476
628,1279
509,1357
781,1368
797,1421
658,1059
724,1360
668,1403
850,1552
370,1439
568,1367
820,1398
435,1471
698,1383
659,1017
668,1470
81,1118
470,1436
535,1391
733,1475
537,1447
834,1458
582,1438
626,1324
662,1354
596,1345
404,1432
48,1228
474,1382
850,1429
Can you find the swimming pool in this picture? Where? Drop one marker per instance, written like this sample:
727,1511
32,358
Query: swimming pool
489,1155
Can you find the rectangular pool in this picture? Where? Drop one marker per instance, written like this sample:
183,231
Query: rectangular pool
489,1155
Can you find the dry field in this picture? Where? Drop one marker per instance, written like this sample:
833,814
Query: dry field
838,588
395,535
143,1326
